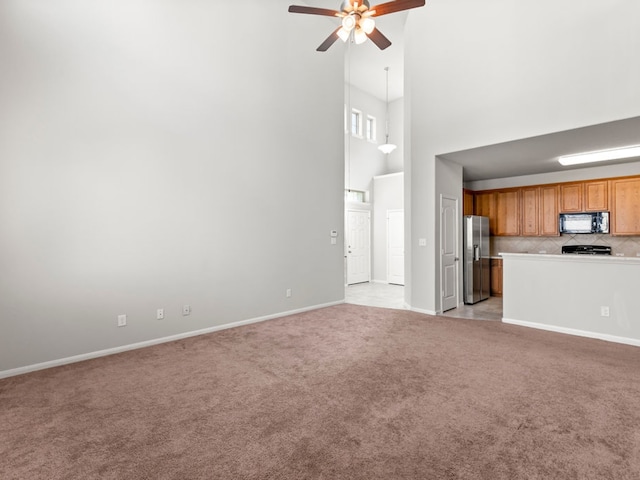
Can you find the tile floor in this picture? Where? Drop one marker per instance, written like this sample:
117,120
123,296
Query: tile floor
392,296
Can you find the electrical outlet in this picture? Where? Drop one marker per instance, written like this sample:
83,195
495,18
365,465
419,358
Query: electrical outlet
122,320
186,310
160,313
604,311
288,292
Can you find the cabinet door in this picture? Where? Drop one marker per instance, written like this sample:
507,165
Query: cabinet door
549,211
596,197
496,277
571,197
530,211
467,208
484,205
508,212
625,206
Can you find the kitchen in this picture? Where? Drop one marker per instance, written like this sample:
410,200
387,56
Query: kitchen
533,225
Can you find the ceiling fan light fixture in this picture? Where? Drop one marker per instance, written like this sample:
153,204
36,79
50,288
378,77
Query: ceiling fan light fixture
343,34
359,36
348,22
367,24
600,155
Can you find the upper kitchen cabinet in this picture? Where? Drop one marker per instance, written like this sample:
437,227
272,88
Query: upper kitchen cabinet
549,211
592,196
484,204
508,212
467,204
539,211
596,196
625,206
530,211
571,197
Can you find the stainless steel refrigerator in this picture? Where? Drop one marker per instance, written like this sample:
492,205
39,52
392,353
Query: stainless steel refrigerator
477,268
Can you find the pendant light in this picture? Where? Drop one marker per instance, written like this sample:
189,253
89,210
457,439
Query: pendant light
387,147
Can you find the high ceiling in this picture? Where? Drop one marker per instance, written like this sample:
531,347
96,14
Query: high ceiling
365,70
366,62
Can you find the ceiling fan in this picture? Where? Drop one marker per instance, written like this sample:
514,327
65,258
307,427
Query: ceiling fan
357,17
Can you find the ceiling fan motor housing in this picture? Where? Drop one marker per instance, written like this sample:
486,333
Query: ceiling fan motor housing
347,5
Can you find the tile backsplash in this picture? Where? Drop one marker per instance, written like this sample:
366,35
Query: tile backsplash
627,246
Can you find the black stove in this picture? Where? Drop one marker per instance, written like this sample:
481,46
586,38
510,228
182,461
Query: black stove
587,249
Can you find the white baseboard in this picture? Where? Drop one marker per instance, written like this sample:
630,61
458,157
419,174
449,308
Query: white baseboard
156,341
572,331
420,310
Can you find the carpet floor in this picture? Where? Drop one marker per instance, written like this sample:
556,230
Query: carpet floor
346,392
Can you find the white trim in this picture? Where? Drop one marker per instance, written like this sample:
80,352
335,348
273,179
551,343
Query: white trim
420,310
156,341
572,331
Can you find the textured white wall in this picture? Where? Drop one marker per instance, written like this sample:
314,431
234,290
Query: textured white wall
151,155
480,73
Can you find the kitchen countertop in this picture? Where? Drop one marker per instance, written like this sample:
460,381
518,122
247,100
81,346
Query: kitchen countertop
573,257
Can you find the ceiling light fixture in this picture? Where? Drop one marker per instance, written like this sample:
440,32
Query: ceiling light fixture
357,17
601,155
387,147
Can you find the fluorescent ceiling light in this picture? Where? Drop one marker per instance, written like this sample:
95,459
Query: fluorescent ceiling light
601,155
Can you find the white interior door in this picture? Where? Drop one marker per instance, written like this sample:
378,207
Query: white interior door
449,252
358,246
395,247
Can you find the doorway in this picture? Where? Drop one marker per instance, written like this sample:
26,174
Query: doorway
449,258
358,247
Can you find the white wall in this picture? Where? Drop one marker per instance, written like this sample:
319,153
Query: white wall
395,160
494,71
388,194
574,288
151,156
363,160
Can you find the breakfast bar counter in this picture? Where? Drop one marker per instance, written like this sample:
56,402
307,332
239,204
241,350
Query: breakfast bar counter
589,295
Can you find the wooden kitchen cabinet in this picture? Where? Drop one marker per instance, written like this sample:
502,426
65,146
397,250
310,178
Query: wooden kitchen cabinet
507,221
530,219
549,211
596,196
539,211
496,277
467,204
625,206
571,197
484,204
591,196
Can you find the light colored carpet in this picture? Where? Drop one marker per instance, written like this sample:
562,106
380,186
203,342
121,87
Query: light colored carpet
346,392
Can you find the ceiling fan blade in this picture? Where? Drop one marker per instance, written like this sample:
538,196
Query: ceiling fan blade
331,39
313,11
396,6
379,39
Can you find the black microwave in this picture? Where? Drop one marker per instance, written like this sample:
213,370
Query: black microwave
588,222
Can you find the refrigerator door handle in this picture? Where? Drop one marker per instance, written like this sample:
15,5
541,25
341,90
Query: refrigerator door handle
476,252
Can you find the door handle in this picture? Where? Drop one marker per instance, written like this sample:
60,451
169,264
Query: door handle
456,259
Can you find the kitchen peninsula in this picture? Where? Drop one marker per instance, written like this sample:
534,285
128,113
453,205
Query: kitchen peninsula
588,295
